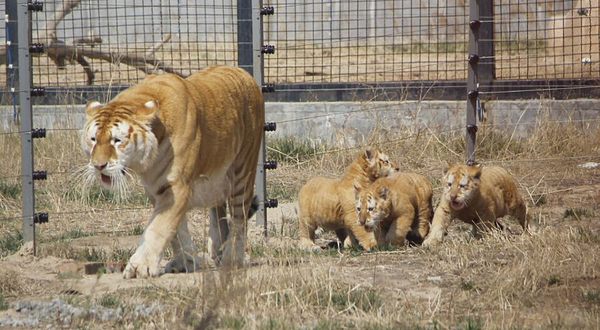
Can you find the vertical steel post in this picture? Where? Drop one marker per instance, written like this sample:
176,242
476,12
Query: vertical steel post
250,39
258,64
24,69
472,84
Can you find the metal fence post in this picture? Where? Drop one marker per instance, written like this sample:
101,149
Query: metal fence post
250,58
24,70
472,83
258,64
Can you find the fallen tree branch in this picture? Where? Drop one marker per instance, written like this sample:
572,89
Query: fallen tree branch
63,54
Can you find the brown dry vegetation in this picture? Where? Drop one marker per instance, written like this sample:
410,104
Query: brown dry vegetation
547,280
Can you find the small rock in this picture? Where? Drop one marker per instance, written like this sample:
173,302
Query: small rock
589,165
68,268
434,279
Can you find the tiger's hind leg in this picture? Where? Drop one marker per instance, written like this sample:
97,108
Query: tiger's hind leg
218,231
185,255
240,205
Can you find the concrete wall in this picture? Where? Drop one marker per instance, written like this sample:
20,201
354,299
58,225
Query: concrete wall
349,123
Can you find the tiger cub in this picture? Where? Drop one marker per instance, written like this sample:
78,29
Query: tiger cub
395,208
329,203
477,195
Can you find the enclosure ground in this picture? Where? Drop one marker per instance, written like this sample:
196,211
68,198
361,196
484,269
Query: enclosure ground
546,280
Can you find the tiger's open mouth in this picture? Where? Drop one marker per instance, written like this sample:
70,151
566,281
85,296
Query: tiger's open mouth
456,205
106,179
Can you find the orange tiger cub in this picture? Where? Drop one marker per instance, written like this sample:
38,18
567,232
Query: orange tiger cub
329,203
193,142
396,207
477,195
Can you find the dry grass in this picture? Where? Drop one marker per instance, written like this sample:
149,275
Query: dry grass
547,280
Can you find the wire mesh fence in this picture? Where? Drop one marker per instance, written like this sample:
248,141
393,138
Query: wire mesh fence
546,39
366,41
109,42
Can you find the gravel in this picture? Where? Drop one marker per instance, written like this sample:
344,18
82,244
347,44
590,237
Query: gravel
32,313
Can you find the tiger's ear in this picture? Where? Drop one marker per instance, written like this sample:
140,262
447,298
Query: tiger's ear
356,189
383,191
478,168
369,153
446,168
92,108
148,112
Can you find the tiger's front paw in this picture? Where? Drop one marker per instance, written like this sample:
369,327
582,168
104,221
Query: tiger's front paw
430,241
142,265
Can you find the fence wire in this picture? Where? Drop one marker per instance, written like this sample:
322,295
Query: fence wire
546,39
111,42
366,41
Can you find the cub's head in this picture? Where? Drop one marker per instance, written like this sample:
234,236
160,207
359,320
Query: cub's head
372,205
461,182
118,137
376,164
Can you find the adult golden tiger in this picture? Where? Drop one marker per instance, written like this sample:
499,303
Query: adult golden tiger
193,142
395,208
477,195
329,203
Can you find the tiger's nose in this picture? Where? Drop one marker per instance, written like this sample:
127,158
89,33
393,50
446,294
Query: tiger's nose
100,167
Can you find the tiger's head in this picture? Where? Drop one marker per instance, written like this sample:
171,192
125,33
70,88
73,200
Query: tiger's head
461,183
372,205
377,164
117,137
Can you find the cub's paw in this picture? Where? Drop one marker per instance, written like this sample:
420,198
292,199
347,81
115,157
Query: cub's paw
142,265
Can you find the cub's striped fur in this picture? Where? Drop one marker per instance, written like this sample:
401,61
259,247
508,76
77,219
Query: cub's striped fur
477,195
329,203
194,142
396,208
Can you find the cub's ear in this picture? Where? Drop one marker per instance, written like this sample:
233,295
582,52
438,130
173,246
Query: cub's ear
446,168
357,190
370,153
383,191
478,168
92,108
148,112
